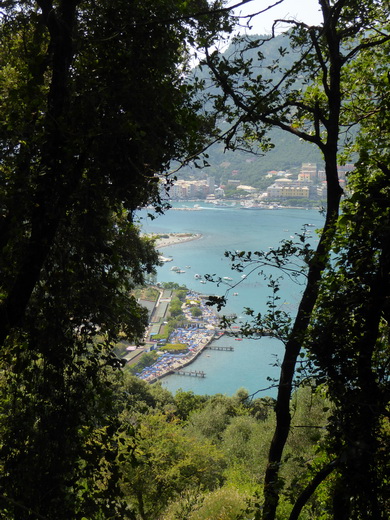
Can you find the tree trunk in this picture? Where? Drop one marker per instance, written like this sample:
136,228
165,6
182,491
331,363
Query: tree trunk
59,175
292,351
331,83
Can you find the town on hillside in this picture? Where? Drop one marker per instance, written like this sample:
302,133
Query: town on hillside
287,186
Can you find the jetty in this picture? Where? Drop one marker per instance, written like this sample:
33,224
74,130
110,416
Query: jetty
214,347
193,373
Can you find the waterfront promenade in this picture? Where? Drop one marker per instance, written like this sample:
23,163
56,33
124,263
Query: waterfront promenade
197,336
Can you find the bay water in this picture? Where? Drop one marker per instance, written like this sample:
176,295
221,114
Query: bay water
253,363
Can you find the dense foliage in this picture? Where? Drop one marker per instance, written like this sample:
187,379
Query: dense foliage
199,457
95,106
349,336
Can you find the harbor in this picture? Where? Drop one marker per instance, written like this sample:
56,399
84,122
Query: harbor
253,361
214,347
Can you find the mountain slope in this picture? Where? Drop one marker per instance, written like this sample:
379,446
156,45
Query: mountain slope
250,168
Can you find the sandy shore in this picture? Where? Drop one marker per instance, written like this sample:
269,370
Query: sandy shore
171,239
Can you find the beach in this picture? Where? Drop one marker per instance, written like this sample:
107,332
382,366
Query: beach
197,336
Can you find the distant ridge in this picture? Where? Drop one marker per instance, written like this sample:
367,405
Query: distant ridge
288,152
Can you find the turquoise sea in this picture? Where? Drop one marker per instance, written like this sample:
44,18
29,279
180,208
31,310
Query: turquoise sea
252,362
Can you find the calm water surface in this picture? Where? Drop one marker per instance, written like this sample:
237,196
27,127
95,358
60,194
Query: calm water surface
253,362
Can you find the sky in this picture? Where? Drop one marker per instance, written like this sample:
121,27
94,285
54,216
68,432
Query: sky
307,11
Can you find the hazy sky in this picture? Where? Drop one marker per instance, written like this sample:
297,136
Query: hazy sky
307,11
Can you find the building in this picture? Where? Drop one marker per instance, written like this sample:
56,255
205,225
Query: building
344,170
187,190
248,189
234,182
288,188
322,188
211,185
308,172
219,193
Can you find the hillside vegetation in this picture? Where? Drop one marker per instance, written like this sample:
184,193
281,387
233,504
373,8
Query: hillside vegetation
192,457
251,167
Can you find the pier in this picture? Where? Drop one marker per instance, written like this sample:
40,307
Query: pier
212,347
193,373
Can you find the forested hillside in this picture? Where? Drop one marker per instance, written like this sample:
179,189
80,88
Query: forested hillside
193,457
98,106
251,166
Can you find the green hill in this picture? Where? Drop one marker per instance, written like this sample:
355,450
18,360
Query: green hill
250,168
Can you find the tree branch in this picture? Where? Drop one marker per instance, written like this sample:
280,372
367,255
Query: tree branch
364,46
310,488
288,128
207,12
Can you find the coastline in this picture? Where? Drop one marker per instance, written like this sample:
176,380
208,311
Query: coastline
180,364
170,239
228,225
197,336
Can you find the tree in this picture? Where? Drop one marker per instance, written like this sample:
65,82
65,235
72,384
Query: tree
349,337
160,463
175,308
61,75
309,101
196,312
181,294
95,106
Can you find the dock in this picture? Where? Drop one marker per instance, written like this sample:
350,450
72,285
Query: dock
212,347
193,373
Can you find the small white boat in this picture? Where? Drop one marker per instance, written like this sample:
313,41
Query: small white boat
165,258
